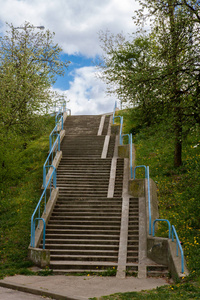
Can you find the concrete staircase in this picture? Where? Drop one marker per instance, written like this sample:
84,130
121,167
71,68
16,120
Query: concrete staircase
85,232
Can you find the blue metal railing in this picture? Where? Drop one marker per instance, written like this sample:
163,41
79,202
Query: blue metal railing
130,141
48,183
115,106
178,245
121,136
53,135
148,189
33,232
172,232
49,161
42,202
162,220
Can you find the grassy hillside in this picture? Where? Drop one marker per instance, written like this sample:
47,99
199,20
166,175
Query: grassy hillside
178,188
178,195
19,194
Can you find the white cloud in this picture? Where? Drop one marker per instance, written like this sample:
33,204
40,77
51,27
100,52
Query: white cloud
75,22
87,94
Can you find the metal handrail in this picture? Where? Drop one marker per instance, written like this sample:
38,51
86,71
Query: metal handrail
162,220
121,136
33,235
47,164
130,141
149,199
52,177
178,245
115,106
121,125
137,167
149,196
38,207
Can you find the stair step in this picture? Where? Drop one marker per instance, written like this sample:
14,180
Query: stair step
78,237
92,265
82,241
83,222
83,258
84,252
157,271
66,228
80,247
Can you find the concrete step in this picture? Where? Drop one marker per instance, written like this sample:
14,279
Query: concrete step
85,206
85,222
80,232
157,271
88,212
88,258
82,236
84,265
79,247
83,227
82,241
85,252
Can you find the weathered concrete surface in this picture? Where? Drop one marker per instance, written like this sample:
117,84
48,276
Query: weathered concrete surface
123,151
79,287
9,294
41,257
101,125
122,256
115,129
136,188
153,201
160,250
163,251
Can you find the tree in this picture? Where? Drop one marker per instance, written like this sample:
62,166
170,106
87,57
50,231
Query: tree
29,64
130,68
160,71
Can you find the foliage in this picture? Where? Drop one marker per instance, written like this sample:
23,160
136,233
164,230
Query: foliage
29,64
159,71
178,189
179,291
19,194
178,197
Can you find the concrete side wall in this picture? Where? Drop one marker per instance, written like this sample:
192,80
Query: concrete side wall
163,251
41,257
154,202
160,250
123,151
115,129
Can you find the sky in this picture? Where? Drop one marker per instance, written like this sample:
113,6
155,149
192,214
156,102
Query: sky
76,24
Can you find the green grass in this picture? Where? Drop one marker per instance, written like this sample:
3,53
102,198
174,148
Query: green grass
178,196
178,188
178,291
19,194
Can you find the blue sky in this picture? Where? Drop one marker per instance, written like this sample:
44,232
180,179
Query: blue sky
77,61
76,24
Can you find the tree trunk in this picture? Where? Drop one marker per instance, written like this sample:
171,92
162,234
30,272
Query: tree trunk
178,146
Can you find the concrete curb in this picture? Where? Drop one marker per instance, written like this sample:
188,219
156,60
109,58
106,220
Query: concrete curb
37,292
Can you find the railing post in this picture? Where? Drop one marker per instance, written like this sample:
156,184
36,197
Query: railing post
120,133
114,111
142,166
149,199
131,155
178,245
162,220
